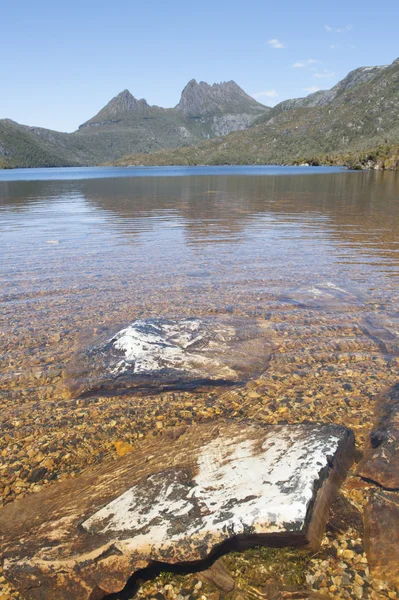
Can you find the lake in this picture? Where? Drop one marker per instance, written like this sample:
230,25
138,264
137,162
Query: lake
312,252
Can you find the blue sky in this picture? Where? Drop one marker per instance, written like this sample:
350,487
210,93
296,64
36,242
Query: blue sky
62,61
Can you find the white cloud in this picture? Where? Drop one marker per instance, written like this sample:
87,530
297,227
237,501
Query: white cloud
324,75
276,43
311,89
266,94
303,63
344,29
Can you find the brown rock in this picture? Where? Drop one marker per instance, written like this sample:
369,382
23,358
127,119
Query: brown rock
382,536
37,474
219,576
381,459
223,485
344,515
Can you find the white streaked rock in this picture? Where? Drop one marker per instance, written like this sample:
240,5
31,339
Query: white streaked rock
240,485
177,499
155,354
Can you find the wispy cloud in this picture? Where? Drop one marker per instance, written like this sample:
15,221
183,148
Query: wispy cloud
311,89
275,43
266,94
324,74
303,63
343,29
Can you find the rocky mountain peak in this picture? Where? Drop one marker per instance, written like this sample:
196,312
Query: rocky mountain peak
117,109
201,99
125,101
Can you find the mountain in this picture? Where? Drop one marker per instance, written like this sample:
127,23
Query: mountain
359,113
323,97
127,125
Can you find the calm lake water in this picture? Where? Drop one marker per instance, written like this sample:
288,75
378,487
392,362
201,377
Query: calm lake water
315,252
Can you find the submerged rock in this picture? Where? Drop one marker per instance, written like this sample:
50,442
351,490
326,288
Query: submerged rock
384,330
382,536
326,295
214,488
157,354
381,460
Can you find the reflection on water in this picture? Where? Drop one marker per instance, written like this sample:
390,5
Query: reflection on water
314,255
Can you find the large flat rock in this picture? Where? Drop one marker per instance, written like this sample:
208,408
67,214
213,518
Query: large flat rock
157,354
381,459
215,486
382,536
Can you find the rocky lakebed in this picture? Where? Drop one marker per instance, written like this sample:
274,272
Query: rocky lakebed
251,504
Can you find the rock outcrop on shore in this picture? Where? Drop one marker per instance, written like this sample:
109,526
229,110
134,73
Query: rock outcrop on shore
382,535
381,461
213,488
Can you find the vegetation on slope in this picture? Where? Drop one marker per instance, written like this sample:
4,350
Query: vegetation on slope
383,157
339,125
357,118
126,125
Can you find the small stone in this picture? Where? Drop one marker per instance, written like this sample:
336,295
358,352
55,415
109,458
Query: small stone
37,474
219,576
123,448
358,591
348,554
359,580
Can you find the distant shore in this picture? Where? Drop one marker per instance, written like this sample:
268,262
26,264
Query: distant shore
379,158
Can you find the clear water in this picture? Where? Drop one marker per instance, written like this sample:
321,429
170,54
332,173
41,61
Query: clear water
315,252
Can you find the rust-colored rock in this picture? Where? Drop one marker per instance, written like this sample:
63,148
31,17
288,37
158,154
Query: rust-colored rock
381,460
123,448
217,486
382,536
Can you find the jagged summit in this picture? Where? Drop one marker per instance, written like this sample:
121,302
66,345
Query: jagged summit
201,99
358,112
125,101
118,108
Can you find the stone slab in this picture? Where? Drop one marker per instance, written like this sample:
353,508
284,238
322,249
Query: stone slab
381,459
382,536
325,295
216,487
157,354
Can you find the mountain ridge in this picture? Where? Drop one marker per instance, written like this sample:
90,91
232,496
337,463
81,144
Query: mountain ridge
237,128
127,124
358,115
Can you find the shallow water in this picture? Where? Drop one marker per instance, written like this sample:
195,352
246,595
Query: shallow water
314,252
